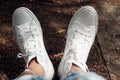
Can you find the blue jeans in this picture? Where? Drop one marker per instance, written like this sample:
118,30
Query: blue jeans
70,76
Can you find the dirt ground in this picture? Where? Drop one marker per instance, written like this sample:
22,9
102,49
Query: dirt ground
54,16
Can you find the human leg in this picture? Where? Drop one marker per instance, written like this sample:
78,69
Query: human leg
29,37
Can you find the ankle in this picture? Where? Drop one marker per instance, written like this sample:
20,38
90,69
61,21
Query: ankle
36,68
76,68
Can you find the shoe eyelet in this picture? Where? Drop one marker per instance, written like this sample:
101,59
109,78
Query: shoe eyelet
73,36
40,51
76,30
69,57
34,45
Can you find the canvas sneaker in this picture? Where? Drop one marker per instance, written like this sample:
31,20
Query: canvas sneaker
80,37
29,37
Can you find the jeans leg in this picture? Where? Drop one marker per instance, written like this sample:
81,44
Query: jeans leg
31,77
82,76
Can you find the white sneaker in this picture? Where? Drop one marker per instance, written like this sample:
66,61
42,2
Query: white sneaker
80,37
28,33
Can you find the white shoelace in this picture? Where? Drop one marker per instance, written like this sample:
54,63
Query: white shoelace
78,38
30,45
